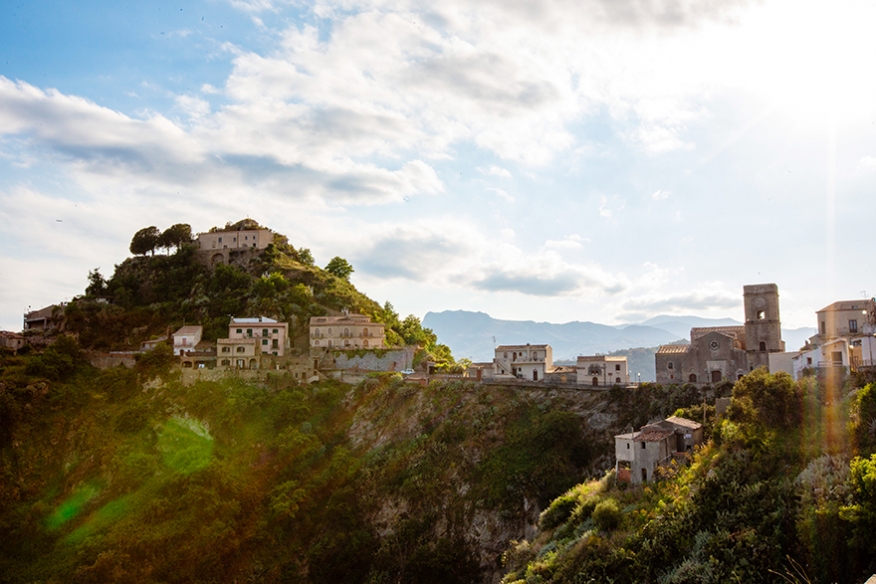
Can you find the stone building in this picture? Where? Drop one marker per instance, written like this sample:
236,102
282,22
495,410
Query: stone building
728,352
602,370
639,454
531,362
219,247
347,331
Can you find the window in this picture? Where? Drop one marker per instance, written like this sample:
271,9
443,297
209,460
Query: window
762,346
821,327
617,367
809,360
669,365
617,380
241,349
275,331
240,331
506,355
265,332
276,344
643,447
761,315
249,332
628,445
226,349
836,357
220,240
316,343
853,326
264,342
226,362
692,378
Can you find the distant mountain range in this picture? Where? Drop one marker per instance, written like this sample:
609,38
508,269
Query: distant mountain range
471,334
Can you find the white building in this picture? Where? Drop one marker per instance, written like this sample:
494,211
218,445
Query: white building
527,361
186,338
846,339
602,370
254,238
272,336
347,331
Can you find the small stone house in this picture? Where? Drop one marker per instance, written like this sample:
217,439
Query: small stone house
639,454
602,370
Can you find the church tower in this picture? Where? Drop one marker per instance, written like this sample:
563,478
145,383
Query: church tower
763,330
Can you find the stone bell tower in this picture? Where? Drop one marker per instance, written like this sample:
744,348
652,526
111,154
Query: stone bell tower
763,330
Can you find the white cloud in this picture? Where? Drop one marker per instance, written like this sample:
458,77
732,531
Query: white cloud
660,195
495,171
867,162
501,193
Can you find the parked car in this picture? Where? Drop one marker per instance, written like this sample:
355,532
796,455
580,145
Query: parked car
406,371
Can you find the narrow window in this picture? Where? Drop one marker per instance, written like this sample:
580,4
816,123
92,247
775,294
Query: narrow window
264,332
617,367
761,315
853,326
822,327
249,332
669,365
762,346
643,448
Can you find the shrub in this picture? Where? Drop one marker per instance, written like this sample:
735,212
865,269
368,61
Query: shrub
607,515
559,510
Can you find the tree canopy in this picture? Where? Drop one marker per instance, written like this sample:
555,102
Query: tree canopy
339,267
145,241
175,236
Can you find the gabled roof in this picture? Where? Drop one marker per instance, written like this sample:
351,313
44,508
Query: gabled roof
672,349
191,329
684,422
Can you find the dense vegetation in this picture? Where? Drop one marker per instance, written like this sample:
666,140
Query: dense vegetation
774,497
129,475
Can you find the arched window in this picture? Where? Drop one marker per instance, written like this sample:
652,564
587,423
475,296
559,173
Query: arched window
617,379
316,343
346,332
692,378
365,331
365,342
595,381
329,342
762,346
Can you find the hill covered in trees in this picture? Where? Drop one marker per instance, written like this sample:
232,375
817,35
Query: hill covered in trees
150,294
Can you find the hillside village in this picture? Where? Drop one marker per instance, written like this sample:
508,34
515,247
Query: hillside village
374,455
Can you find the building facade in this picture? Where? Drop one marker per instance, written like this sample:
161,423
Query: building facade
272,336
240,353
347,331
602,370
530,362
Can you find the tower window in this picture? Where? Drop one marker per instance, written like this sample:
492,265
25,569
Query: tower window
762,346
761,315
669,365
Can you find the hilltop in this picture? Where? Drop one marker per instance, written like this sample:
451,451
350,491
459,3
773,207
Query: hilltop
150,295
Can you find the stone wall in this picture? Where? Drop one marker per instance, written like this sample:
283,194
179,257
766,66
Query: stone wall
107,360
365,360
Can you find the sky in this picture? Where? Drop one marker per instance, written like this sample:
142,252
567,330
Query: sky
560,160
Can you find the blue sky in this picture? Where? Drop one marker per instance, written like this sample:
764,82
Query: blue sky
596,160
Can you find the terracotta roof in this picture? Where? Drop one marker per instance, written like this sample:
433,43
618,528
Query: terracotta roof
845,305
684,422
653,434
672,349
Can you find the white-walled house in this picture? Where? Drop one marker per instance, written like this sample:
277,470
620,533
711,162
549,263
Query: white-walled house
602,370
186,338
272,336
530,362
